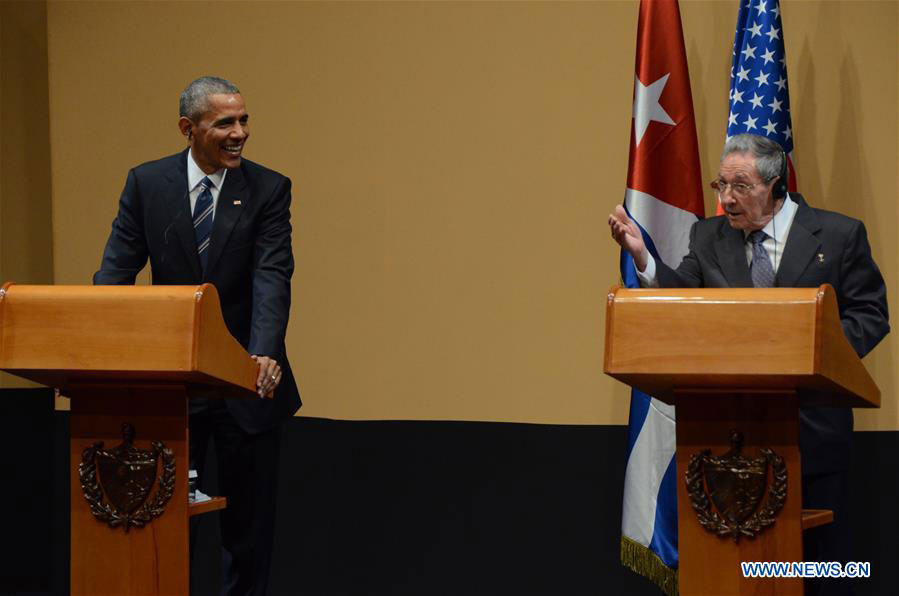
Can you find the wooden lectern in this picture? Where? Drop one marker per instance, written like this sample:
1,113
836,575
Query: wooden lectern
126,355
736,360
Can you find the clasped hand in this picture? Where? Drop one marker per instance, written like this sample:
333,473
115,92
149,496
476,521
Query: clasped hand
269,376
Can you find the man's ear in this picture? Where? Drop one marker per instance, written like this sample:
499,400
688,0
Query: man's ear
186,127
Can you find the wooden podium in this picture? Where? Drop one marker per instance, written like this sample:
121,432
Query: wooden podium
736,360
126,355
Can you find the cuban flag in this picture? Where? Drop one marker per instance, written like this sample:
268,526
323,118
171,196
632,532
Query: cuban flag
759,95
664,197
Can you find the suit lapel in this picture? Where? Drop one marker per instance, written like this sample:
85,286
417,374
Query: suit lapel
802,244
178,202
231,202
731,251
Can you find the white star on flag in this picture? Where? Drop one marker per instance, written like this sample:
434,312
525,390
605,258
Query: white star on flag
647,107
756,100
771,127
750,123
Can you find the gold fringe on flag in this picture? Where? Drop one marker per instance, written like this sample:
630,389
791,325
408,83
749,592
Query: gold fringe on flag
640,559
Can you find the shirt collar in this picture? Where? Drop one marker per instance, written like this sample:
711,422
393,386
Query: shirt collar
195,175
781,221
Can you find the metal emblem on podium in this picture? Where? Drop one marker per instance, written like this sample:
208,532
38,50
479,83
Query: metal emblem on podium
125,475
736,485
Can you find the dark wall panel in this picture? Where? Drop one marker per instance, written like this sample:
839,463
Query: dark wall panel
28,464
418,508
446,508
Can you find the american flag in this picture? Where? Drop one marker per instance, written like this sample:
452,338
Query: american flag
759,95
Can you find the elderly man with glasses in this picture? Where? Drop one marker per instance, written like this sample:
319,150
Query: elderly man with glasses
769,237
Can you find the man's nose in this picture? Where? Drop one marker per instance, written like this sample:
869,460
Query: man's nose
726,198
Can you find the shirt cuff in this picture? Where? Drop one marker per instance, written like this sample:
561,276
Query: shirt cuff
647,277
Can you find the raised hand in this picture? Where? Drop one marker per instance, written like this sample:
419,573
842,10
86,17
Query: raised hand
626,233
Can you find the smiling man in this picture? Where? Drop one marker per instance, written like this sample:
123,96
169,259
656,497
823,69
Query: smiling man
769,237
208,215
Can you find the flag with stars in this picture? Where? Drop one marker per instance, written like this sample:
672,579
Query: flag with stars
664,197
759,96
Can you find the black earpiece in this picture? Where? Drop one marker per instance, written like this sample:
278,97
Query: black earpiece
780,187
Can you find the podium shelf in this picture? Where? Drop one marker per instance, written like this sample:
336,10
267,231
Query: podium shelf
213,504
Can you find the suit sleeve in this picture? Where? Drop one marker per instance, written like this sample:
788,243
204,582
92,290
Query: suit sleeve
126,249
862,294
687,275
272,270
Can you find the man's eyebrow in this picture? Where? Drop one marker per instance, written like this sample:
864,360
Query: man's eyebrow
230,119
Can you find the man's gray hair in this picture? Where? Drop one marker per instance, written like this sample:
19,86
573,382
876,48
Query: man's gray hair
193,102
769,157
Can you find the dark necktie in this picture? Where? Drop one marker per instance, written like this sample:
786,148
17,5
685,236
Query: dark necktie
761,269
203,221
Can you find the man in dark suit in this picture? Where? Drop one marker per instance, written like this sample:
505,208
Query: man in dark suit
768,237
208,215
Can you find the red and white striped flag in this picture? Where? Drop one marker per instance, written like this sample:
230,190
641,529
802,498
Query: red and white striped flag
664,197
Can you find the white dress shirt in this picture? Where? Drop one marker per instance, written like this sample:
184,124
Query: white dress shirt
195,175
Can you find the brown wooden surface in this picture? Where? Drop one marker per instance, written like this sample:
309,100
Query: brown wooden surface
737,360
214,504
217,353
149,560
67,335
126,354
812,518
836,359
709,564
659,340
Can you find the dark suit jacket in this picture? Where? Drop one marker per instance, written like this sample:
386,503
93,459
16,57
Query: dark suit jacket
717,259
250,259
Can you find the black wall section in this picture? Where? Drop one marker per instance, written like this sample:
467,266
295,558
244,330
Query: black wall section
428,509
875,509
27,467
448,508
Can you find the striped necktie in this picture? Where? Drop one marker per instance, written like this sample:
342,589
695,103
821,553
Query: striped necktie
203,221
761,270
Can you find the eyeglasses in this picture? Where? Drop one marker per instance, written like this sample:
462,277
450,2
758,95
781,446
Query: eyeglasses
738,189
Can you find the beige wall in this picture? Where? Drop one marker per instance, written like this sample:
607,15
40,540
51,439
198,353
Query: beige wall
26,235
453,167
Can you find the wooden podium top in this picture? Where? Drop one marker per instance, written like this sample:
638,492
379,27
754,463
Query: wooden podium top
63,336
663,340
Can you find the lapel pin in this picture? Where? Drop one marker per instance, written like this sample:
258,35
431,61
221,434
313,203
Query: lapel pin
820,257
237,202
